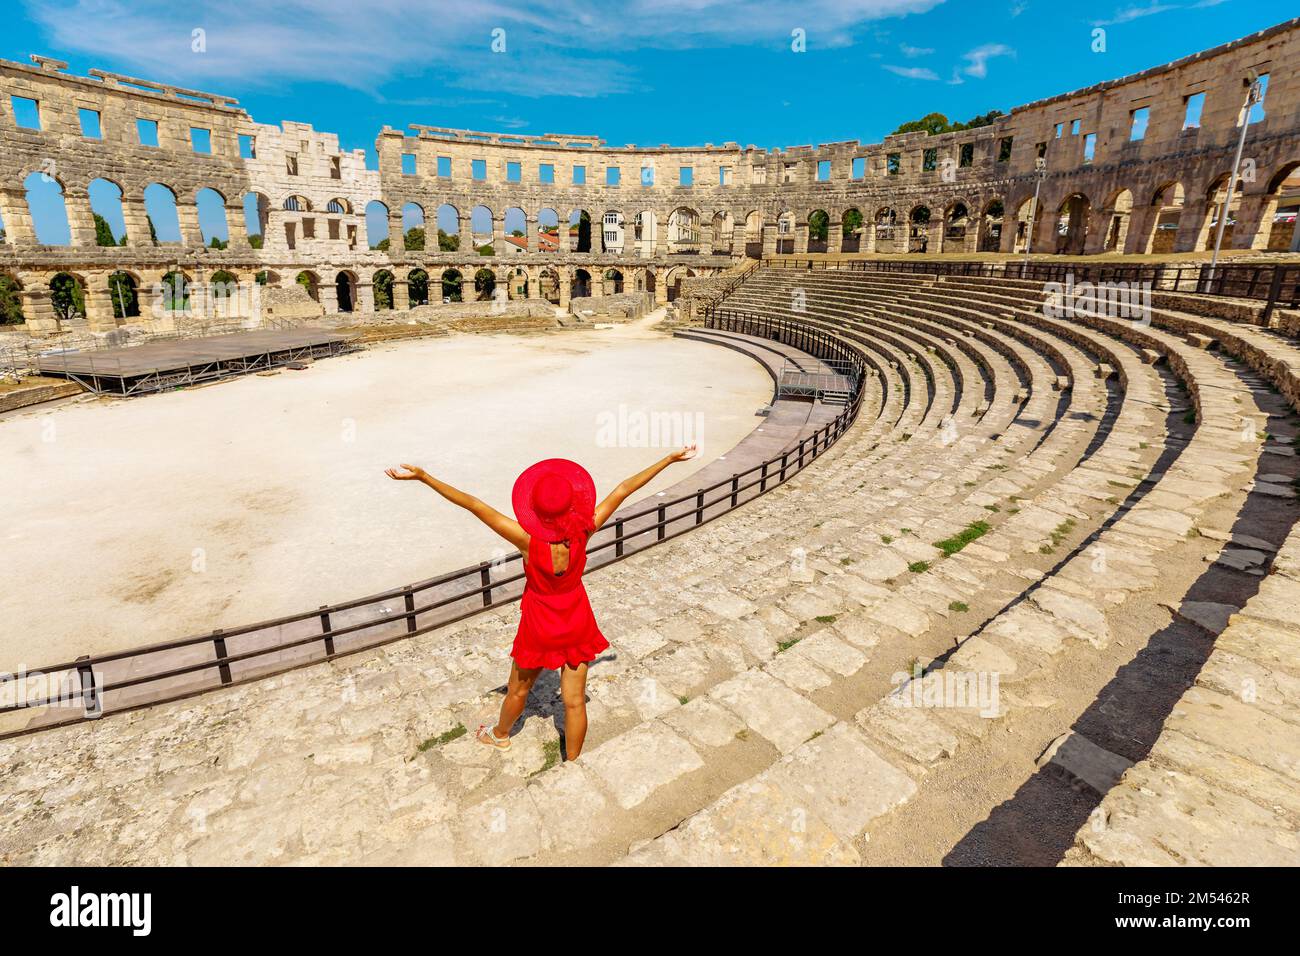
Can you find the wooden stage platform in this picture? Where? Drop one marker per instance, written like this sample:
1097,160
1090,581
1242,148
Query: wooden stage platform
177,363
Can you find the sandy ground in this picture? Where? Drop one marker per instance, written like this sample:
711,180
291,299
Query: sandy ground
141,520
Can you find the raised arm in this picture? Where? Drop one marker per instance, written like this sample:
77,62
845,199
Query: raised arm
628,486
507,527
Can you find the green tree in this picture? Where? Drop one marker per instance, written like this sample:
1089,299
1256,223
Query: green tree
852,222
383,286
217,243
255,240
447,243
67,297
103,232
121,290
153,233
933,124
415,238
818,225
11,301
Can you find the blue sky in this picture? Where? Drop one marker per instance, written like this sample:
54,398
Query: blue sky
684,72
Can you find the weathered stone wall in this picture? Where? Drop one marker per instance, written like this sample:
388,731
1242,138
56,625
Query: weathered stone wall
1103,190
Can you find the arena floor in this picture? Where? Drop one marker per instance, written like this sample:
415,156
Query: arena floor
140,520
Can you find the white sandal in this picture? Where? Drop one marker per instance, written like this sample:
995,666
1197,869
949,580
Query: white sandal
488,737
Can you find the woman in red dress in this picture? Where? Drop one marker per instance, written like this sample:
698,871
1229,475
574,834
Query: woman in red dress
556,511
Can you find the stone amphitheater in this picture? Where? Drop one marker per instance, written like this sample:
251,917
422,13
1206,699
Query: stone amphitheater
1025,595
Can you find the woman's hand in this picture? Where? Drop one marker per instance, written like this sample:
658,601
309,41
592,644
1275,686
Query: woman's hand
685,454
412,473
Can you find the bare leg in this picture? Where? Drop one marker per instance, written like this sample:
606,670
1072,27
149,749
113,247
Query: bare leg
573,688
521,683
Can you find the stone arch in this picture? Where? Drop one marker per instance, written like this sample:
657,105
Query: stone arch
957,234
417,288
480,228
174,291
548,230
851,229
164,215
1071,225
310,281
1215,195
345,290
451,288
674,280
296,203
106,210
1025,211
548,285
613,232
785,234
645,227
377,234
1281,216
819,230
581,237
517,283
614,282
754,234
989,238
885,224
722,229
213,227
1115,220
1164,219
381,284
257,218
47,209
683,231
514,226
918,228
580,286
414,228
68,296
124,294
485,285
339,206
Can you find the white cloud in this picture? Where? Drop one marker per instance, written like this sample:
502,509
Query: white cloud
570,47
977,60
912,52
1135,12
912,72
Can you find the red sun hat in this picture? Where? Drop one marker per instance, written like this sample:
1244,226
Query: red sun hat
554,499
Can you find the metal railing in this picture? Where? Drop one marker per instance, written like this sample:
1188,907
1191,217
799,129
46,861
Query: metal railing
94,684
1278,285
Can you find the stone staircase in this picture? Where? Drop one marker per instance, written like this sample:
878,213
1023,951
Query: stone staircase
980,629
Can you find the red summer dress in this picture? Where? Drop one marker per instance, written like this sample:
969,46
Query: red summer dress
556,626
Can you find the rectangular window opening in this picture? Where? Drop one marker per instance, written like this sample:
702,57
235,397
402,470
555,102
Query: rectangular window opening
1139,120
147,131
408,164
27,112
200,139
90,126
247,147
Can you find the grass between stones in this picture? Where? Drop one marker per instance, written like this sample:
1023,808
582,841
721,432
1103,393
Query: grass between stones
444,738
972,532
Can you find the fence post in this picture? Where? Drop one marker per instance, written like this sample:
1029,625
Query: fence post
735,489
90,702
326,629
699,508
409,598
485,578
219,643
618,538
785,460
662,523
762,480
1274,293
